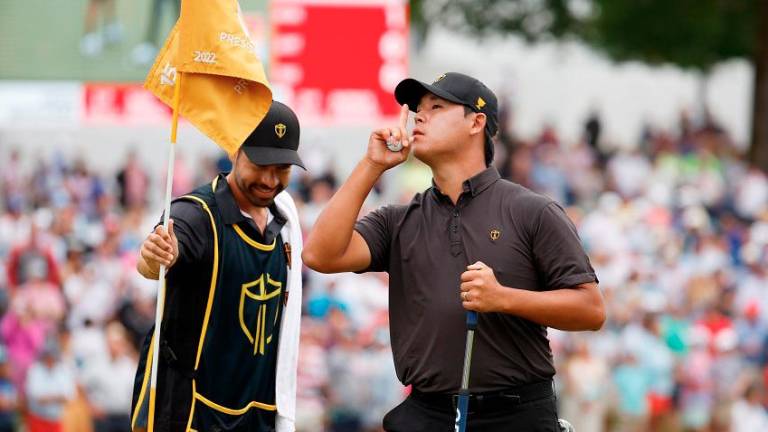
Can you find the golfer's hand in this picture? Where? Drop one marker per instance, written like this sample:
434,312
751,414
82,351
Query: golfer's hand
160,248
480,291
379,155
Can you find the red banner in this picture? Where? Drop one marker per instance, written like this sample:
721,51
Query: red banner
338,62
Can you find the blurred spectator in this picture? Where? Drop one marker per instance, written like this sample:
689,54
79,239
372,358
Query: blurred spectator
585,401
748,412
145,52
50,386
133,183
23,334
182,175
93,40
9,400
34,251
312,385
593,128
632,385
108,382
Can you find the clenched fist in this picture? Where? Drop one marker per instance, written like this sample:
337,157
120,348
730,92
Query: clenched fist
480,291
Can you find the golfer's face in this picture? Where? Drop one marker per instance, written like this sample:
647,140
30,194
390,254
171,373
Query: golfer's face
260,183
441,127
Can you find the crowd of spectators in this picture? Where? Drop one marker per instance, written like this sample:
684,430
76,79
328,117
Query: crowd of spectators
676,227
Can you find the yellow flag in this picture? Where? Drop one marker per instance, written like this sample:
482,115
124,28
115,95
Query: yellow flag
225,92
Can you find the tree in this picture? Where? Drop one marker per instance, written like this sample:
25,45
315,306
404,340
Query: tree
692,34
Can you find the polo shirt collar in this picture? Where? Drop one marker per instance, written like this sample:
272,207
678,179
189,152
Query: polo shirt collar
482,181
475,184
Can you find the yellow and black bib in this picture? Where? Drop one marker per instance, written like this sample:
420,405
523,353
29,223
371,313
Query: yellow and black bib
233,366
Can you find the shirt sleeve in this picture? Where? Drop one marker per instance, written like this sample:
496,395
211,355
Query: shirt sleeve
559,256
192,227
375,228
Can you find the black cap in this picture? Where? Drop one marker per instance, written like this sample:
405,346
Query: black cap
457,88
275,140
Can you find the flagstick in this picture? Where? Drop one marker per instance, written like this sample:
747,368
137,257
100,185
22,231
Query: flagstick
161,279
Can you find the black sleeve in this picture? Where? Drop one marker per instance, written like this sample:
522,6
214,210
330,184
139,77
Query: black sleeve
192,227
376,230
560,259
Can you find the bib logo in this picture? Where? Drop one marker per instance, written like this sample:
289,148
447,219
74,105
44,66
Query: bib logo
255,297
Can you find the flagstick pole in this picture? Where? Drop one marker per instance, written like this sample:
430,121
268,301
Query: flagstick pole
161,279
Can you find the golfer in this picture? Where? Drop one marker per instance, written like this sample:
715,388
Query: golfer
471,241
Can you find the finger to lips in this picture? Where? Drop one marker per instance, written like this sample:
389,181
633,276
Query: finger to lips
404,113
404,110
406,141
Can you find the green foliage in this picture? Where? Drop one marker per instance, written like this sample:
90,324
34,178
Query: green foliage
531,19
689,33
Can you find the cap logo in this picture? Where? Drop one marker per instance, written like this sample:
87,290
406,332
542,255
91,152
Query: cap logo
280,130
438,79
480,103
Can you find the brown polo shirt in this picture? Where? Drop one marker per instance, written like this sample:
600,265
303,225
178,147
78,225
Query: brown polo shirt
527,240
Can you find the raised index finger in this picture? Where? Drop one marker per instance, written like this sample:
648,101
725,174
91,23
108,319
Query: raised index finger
403,116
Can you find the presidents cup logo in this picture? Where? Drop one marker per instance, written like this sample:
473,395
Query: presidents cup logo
438,79
258,311
280,130
480,103
494,234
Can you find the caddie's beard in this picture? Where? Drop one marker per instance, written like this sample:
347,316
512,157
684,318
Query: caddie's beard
258,194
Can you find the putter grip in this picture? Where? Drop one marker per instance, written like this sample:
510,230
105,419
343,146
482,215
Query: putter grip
461,411
471,320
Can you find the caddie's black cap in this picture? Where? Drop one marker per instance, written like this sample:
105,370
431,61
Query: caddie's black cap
460,89
275,140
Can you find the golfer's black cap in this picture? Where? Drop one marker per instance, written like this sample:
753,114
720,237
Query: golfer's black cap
460,89
275,140
457,88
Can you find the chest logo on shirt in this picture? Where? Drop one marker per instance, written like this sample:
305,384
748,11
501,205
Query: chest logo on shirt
494,233
258,311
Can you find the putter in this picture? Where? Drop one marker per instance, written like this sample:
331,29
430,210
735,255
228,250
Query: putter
463,404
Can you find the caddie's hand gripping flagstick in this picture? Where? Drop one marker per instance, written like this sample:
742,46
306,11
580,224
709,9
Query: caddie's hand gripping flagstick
161,279
463,403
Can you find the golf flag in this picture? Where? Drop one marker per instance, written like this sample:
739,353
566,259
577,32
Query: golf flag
225,92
